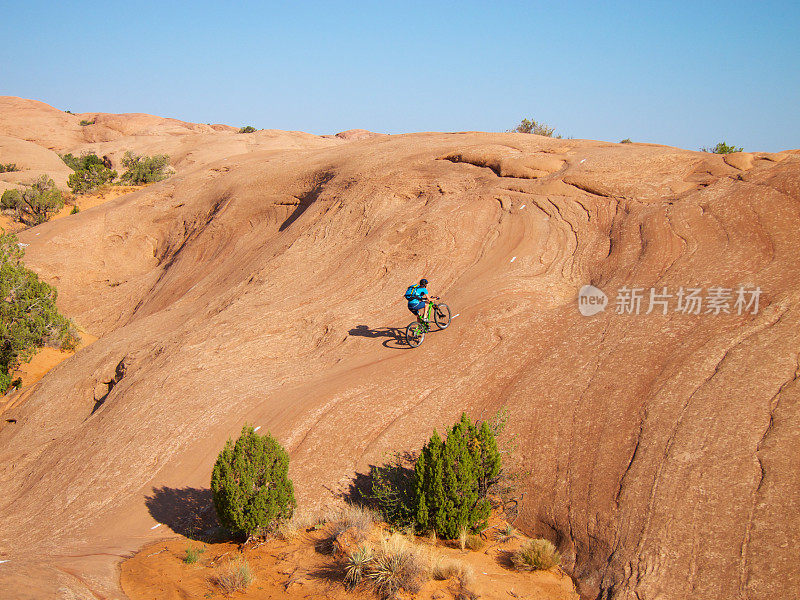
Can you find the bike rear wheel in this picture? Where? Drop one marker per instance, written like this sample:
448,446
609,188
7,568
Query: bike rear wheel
415,333
441,314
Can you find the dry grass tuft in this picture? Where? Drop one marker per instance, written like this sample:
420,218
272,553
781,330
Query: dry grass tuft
398,565
287,530
536,555
462,538
235,576
352,516
474,542
354,520
443,568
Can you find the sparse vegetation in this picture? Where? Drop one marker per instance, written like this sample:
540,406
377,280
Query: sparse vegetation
531,126
536,555
626,141
91,172
397,564
193,554
34,204
392,489
144,169
723,148
249,484
8,168
235,576
247,129
75,210
29,318
506,534
84,123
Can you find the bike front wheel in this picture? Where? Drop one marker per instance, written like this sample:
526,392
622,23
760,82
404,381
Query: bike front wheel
415,333
441,314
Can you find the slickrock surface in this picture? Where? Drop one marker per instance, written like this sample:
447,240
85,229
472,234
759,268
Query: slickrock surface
264,285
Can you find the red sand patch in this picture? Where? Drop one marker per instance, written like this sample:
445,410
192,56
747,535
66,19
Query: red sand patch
295,569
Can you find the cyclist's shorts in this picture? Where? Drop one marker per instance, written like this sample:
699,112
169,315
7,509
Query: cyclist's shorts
416,306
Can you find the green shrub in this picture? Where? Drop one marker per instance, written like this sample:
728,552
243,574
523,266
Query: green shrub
193,554
8,168
424,492
249,483
85,123
722,148
35,203
452,479
5,381
87,180
247,129
536,555
28,315
75,210
90,172
82,162
530,126
626,141
144,169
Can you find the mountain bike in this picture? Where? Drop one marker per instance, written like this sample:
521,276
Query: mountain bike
439,311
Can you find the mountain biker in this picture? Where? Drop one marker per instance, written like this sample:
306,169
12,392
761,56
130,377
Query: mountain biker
417,296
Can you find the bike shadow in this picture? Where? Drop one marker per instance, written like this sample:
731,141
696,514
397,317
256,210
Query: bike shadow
396,337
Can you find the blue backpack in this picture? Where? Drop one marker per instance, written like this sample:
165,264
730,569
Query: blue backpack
411,292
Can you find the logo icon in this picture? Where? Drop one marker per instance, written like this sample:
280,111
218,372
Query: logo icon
591,300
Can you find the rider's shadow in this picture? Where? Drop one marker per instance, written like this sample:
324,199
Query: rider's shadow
396,337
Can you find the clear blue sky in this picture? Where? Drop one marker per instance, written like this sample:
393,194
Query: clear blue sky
682,73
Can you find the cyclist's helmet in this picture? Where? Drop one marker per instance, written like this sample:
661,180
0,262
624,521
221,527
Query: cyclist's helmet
423,282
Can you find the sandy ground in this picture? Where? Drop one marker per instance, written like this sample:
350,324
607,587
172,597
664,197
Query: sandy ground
82,201
296,569
31,372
